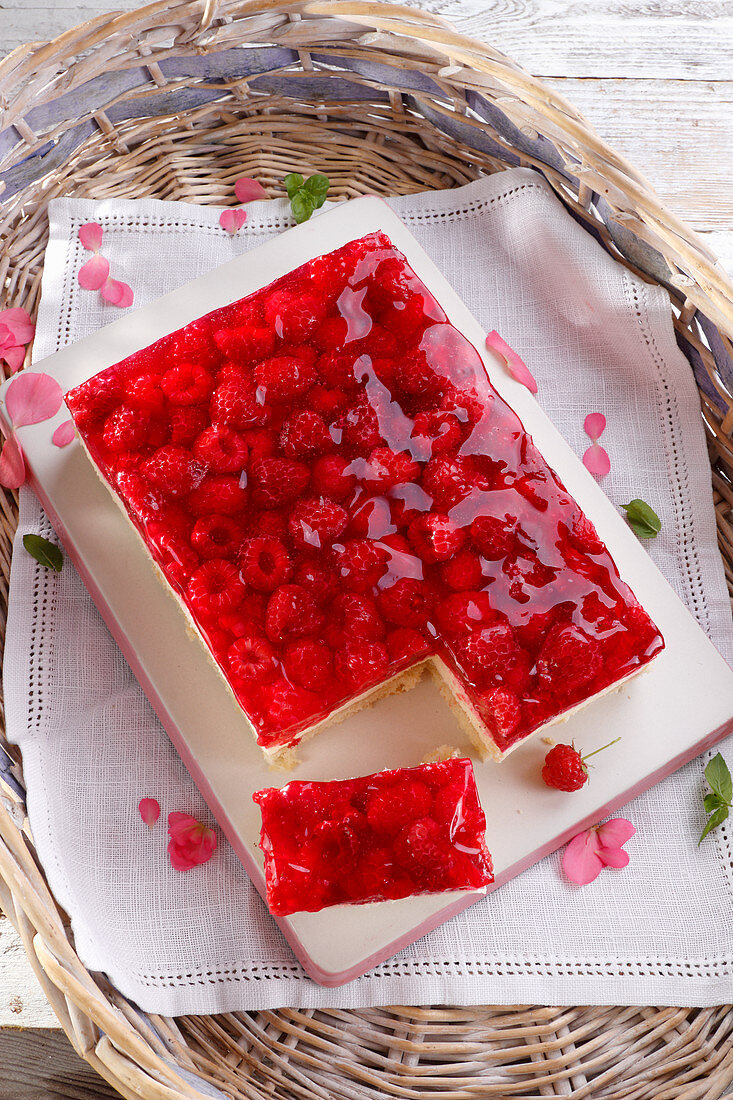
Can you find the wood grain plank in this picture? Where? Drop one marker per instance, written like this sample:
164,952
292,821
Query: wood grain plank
22,1001
679,39
41,1065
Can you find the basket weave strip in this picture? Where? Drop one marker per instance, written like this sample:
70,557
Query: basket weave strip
177,100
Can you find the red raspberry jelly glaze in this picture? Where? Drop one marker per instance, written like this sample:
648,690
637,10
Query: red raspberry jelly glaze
325,461
379,837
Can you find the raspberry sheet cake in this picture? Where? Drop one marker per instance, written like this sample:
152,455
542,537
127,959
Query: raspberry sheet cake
376,838
338,497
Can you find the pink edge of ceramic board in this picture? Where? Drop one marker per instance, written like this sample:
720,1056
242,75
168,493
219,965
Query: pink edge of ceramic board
555,818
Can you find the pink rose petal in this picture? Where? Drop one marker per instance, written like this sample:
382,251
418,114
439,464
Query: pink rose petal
616,832
94,273
596,460
12,464
117,293
516,366
7,339
232,220
13,357
613,857
246,189
90,235
594,425
20,324
580,860
32,397
191,843
64,434
149,810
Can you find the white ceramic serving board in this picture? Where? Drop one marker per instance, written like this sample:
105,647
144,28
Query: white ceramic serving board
683,704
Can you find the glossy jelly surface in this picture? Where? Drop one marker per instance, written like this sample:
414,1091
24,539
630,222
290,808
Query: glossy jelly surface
379,837
330,483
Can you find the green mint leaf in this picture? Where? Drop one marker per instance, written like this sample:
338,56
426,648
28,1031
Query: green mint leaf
643,520
713,821
711,802
719,778
317,188
47,553
302,206
293,183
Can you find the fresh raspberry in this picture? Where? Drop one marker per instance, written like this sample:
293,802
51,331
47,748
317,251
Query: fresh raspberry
354,617
382,344
488,655
272,524
186,423
435,537
406,318
386,468
173,470
292,612
265,563
435,432
187,384
309,664
406,644
285,376
317,578
501,710
448,480
141,497
249,343
235,404
372,519
216,537
464,611
564,769
328,403
407,602
294,315
316,522
221,494
569,659
176,558
249,615
144,392
416,377
360,664
252,658
304,434
277,481
361,563
260,443
584,535
389,810
465,405
359,425
421,847
336,369
330,477
288,705
96,398
221,449
192,344
332,335
463,572
494,536
215,587
132,429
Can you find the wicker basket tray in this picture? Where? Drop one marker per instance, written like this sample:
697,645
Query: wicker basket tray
177,100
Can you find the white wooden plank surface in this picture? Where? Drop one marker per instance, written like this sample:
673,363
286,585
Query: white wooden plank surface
654,77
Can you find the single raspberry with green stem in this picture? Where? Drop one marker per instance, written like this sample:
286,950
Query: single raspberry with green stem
565,769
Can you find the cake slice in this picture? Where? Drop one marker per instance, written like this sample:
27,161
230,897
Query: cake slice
339,498
376,838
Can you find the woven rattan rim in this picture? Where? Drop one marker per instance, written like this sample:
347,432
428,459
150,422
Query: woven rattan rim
152,114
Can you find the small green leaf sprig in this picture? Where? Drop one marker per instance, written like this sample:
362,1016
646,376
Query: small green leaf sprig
45,552
306,195
643,520
718,802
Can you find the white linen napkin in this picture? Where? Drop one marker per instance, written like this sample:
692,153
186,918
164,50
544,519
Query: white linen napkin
598,339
